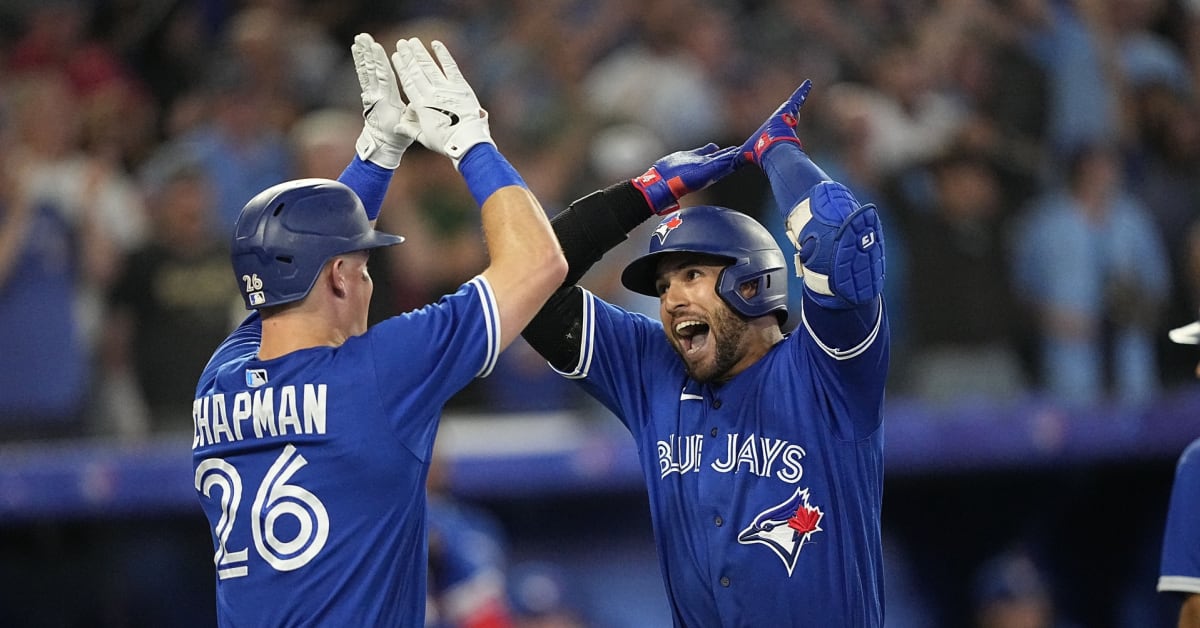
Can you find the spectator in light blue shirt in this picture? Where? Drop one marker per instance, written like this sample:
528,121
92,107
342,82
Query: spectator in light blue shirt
1092,264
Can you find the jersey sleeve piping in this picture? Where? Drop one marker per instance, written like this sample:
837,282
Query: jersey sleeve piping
587,340
491,319
844,354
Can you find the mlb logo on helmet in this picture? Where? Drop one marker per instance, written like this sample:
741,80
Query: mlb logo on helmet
665,228
257,298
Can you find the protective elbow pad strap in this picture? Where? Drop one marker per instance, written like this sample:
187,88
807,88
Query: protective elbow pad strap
840,245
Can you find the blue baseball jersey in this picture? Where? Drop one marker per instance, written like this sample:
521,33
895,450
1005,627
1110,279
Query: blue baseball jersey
311,467
765,491
1180,571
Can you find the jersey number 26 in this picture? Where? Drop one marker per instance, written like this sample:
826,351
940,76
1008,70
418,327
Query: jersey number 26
275,498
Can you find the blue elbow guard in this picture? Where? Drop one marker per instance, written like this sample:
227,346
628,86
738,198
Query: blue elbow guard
839,244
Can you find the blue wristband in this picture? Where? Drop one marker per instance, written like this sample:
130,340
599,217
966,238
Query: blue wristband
486,170
369,181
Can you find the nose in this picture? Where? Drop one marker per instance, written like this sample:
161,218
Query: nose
672,298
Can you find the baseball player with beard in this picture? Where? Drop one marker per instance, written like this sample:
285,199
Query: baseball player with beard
314,433
1180,570
762,451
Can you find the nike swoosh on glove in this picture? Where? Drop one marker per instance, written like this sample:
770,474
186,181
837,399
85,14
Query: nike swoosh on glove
448,111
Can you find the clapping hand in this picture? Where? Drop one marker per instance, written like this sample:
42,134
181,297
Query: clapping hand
450,118
684,172
389,126
779,127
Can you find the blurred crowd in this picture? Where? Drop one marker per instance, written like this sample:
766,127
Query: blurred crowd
1036,163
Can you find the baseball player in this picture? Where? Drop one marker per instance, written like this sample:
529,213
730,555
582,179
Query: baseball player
762,452
313,433
466,567
1180,570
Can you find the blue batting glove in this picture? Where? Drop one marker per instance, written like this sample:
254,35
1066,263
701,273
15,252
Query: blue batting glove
684,172
780,127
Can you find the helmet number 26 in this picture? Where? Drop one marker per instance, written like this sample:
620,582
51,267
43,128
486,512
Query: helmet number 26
254,286
274,499
253,282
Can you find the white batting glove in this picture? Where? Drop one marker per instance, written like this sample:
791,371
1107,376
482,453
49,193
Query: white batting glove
389,126
450,116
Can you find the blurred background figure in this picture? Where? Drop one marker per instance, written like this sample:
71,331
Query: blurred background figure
662,80
1010,591
170,303
542,597
1090,261
965,331
909,117
69,216
240,140
318,141
468,560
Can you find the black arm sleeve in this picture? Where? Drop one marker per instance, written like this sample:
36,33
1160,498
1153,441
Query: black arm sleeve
594,224
556,332
586,230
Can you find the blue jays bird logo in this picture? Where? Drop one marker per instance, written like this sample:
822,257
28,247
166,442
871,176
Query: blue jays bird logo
665,228
785,528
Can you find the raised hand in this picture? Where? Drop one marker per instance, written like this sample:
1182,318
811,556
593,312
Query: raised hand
684,172
780,127
447,109
389,126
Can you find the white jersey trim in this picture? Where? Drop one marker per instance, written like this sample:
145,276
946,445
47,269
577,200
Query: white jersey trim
491,321
844,354
587,344
1185,584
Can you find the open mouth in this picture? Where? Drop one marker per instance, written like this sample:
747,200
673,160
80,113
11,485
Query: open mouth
692,335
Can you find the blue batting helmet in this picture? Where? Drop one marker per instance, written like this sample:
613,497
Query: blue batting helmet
287,232
752,252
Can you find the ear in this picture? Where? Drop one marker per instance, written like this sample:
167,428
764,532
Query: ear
337,276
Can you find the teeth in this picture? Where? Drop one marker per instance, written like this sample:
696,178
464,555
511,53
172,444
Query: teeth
686,324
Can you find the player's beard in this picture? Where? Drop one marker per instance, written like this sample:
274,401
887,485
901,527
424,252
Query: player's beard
726,332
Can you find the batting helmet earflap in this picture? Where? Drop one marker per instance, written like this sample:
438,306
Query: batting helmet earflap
752,252
286,234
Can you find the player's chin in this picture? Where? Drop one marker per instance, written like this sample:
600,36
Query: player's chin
705,374
700,367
